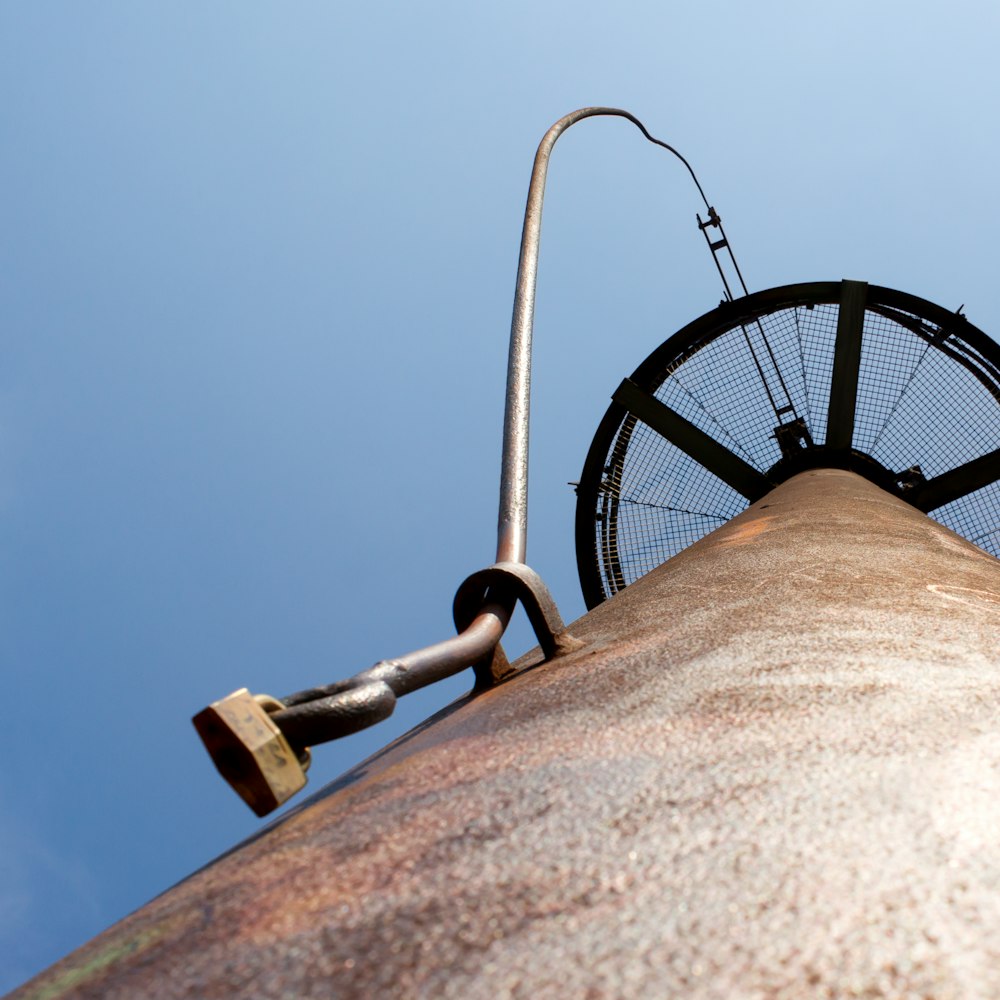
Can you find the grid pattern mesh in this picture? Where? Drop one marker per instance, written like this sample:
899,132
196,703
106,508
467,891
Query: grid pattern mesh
975,517
941,414
653,494
924,399
817,337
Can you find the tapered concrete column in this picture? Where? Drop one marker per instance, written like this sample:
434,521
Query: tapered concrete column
774,770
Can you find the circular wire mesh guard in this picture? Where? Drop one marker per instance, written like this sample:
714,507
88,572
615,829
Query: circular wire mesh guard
840,374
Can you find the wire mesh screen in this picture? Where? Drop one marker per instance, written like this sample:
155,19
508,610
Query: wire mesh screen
939,410
974,516
759,384
817,327
654,493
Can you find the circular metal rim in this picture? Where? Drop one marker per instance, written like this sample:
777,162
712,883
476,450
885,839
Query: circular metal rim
704,330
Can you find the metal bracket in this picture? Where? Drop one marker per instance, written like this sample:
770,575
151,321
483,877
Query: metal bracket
504,582
714,221
793,437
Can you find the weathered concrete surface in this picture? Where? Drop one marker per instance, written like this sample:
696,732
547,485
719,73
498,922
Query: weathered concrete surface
774,771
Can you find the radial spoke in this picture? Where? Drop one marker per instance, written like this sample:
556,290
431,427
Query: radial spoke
959,482
693,441
846,362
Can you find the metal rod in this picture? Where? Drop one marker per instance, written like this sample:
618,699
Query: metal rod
323,714
732,257
512,526
427,665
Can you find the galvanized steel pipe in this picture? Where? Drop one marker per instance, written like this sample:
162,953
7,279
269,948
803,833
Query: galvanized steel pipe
512,527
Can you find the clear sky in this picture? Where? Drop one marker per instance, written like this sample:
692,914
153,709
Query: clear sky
256,271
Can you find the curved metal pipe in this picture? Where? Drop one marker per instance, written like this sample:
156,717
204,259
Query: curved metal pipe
318,715
512,526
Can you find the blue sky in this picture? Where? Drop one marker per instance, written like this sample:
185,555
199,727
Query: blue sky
256,272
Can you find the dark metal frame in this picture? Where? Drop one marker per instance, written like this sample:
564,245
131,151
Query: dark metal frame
634,401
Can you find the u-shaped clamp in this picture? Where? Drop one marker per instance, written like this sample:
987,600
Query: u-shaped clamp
505,583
